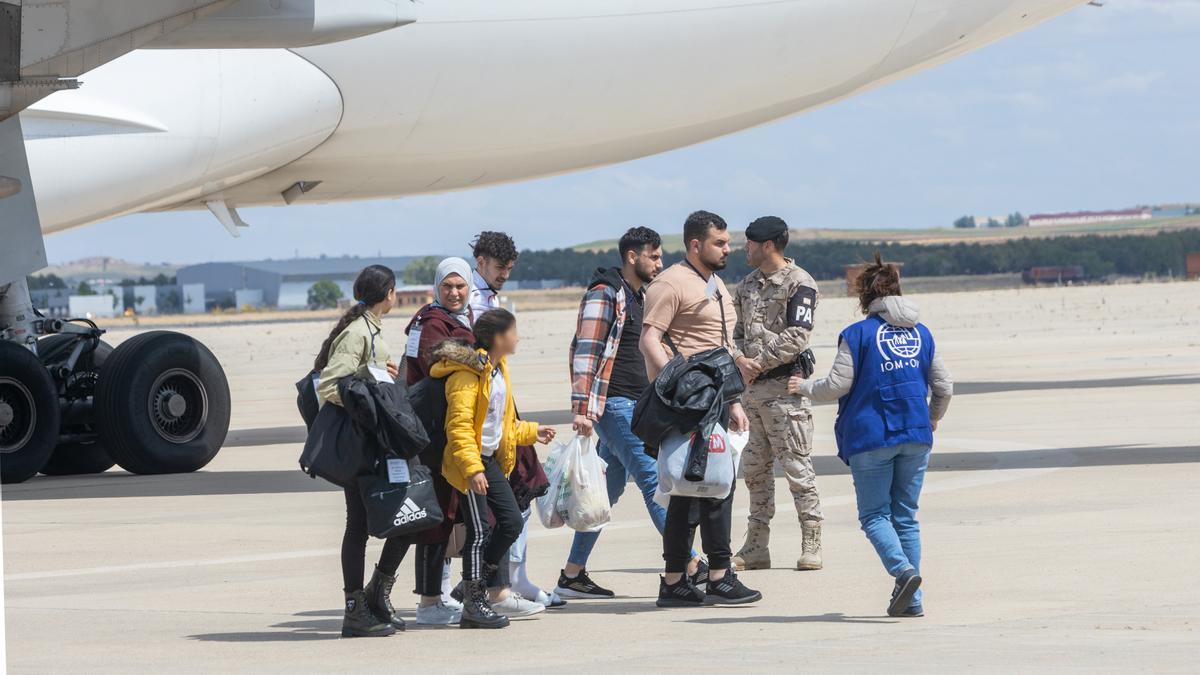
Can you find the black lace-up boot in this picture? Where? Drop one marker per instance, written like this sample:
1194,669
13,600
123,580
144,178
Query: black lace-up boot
379,598
359,621
477,611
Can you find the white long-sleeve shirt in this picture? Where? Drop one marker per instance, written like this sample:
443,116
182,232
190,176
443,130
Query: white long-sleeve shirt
493,423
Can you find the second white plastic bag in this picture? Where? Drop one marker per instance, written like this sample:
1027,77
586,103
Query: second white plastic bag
584,505
556,465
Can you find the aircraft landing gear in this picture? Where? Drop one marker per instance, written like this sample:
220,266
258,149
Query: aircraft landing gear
29,414
162,404
158,403
79,449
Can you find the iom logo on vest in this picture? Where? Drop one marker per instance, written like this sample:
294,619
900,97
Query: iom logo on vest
409,511
899,347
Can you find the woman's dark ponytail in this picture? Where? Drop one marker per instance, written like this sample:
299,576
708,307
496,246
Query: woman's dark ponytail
370,288
490,324
877,280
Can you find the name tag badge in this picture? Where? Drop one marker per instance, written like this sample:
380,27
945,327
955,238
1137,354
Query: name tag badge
380,374
414,343
397,471
711,289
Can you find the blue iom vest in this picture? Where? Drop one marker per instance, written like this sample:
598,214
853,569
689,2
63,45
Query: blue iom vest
888,403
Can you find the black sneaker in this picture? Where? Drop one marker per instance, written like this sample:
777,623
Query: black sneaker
729,590
679,594
581,586
914,611
700,578
902,594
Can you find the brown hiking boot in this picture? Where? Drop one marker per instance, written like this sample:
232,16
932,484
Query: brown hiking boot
810,558
754,554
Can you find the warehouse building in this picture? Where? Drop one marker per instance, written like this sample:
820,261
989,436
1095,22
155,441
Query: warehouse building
283,283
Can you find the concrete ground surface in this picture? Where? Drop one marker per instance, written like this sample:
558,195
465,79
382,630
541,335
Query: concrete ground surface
1059,524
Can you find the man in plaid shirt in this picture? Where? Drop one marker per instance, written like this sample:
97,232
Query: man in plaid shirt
608,374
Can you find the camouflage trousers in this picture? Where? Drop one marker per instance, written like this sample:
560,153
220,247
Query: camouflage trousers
781,429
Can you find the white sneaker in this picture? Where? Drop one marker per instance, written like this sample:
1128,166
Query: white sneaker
517,607
452,603
551,601
438,615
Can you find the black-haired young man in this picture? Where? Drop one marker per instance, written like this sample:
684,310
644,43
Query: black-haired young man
690,304
495,255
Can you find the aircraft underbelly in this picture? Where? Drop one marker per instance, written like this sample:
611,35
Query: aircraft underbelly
475,92
600,83
532,97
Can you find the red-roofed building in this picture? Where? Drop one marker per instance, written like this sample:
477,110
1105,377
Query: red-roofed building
1085,217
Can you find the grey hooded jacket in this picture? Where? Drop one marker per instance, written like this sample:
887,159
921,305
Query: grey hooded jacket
898,311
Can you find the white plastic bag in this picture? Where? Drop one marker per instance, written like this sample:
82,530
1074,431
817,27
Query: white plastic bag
556,465
586,498
719,474
738,440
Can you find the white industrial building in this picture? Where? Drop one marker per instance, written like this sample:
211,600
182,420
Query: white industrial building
1086,217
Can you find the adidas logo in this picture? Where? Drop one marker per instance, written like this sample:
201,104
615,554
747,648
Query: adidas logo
409,512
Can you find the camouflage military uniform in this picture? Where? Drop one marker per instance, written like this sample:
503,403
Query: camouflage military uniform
775,319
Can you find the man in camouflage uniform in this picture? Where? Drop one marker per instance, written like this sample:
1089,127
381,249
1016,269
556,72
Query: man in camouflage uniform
775,305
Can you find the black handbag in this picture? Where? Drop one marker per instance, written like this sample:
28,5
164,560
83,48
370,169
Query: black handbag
334,449
400,509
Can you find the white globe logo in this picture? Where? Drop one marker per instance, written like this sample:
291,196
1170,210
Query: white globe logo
904,343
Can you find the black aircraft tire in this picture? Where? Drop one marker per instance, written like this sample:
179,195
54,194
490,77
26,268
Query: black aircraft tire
162,404
29,415
76,457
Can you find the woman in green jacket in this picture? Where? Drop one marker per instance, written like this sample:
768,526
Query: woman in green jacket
355,346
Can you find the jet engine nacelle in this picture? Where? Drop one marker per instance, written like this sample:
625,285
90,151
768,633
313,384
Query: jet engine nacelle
262,24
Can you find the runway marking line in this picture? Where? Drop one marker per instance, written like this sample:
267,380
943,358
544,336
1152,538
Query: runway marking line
931,486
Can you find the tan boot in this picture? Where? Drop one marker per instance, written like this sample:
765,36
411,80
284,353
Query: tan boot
810,558
754,554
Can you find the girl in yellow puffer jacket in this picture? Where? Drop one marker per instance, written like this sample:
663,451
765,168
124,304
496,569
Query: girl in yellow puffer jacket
482,435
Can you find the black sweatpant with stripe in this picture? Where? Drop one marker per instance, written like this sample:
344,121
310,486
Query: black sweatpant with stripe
483,543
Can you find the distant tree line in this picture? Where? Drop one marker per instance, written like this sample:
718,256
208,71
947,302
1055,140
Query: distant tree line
39,282
1014,219
1132,255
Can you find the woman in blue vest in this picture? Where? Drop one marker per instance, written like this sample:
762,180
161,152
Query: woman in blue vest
892,388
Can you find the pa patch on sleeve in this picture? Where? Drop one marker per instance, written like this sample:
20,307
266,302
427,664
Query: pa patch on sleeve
800,308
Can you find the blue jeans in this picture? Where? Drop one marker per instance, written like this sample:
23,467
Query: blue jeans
887,482
626,456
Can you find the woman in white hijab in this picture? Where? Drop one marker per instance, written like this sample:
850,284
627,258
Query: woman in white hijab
446,318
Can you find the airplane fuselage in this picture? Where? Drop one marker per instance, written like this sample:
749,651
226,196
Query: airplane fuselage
476,92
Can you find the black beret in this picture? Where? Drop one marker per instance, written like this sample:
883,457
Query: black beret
766,228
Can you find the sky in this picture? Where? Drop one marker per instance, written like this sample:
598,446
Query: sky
1097,109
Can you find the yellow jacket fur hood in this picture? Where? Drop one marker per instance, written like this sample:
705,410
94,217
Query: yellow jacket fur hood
468,388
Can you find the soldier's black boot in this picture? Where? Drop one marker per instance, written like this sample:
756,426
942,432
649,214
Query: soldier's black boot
477,611
379,598
360,622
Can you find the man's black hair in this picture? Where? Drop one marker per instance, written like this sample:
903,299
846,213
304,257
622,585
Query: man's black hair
495,245
698,225
638,238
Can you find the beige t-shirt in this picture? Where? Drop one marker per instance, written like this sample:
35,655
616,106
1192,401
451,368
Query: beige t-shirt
677,303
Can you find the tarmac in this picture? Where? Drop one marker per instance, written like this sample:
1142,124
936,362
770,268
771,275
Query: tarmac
1059,521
